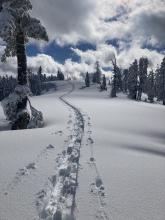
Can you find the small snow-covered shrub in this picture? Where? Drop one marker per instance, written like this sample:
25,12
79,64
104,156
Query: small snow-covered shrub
36,120
144,97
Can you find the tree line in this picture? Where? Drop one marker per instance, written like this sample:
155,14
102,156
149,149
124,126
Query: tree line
37,83
133,81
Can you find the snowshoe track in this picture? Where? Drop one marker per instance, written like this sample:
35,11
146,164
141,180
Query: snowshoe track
97,187
58,202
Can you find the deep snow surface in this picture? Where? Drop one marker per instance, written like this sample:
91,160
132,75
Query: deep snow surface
125,141
129,148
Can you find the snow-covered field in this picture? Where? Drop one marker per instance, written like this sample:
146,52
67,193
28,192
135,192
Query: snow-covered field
122,158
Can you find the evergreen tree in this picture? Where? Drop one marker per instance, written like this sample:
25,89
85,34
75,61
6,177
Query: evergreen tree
87,80
41,77
7,86
125,80
133,80
97,74
103,85
35,83
151,87
119,85
162,75
158,84
16,27
115,78
143,65
60,75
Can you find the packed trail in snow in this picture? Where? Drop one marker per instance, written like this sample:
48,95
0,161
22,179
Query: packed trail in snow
58,201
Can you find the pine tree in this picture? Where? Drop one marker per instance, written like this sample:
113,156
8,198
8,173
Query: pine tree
39,81
162,74
97,74
60,75
143,65
158,84
7,86
103,85
151,87
41,77
87,80
125,80
16,27
119,85
114,81
133,80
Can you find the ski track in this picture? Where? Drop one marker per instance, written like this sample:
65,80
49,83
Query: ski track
57,201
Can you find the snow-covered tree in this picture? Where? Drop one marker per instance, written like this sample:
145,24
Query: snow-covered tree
143,66
160,82
117,82
133,80
97,74
60,75
7,86
151,86
87,80
16,28
162,75
103,85
41,76
125,80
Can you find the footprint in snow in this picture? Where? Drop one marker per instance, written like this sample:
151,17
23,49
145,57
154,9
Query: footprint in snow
49,147
92,159
57,132
31,166
19,175
90,140
97,187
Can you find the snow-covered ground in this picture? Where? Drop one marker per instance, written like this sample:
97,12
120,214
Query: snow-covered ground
122,158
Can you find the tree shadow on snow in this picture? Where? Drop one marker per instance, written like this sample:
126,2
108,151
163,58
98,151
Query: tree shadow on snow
146,150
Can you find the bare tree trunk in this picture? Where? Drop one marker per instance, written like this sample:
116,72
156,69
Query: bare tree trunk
23,117
21,58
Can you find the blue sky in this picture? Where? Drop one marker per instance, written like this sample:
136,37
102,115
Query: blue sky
59,53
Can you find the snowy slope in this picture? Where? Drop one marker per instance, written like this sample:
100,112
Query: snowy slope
129,149
18,185
122,153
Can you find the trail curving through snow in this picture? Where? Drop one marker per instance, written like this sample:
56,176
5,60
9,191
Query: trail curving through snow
58,202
